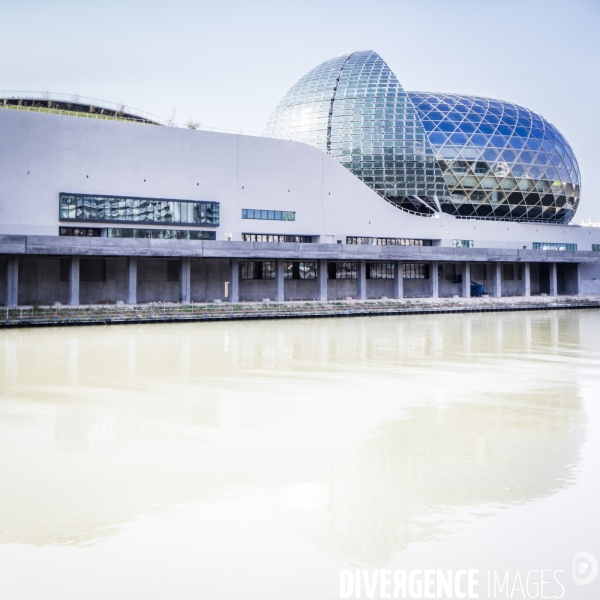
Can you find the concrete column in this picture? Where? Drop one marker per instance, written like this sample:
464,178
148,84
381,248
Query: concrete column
361,290
279,281
553,280
399,279
185,288
234,280
434,283
527,279
322,280
12,281
497,280
74,281
466,280
132,280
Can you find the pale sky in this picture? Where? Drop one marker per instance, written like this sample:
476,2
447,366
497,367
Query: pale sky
228,63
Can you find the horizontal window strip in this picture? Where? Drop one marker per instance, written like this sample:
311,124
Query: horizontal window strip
377,241
553,246
268,237
78,207
268,215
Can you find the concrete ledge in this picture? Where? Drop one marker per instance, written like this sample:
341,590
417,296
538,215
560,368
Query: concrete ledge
84,246
163,312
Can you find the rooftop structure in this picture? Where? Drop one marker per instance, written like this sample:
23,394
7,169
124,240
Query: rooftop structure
428,153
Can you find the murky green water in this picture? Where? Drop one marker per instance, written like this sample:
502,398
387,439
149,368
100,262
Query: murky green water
256,460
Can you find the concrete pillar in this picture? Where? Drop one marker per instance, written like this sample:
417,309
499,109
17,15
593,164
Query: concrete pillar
434,283
132,280
399,279
553,280
322,280
74,281
279,281
527,279
185,288
361,290
234,280
466,280
497,280
12,281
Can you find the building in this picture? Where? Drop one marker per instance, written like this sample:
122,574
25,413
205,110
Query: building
114,206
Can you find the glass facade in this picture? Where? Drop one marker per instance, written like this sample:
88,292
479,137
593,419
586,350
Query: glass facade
499,160
160,234
374,241
268,215
429,153
553,246
75,207
354,108
257,269
416,271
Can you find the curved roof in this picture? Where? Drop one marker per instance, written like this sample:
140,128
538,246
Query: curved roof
354,107
500,159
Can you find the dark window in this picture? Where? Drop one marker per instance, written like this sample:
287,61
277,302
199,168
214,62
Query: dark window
92,269
416,271
380,271
172,270
75,207
508,272
78,232
258,269
346,270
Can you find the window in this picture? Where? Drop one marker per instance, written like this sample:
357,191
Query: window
595,247
463,244
160,234
416,271
268,215
553,246
258,269
268,237
388,241
75,207
344,270
508,272
300,270
380,271
78,232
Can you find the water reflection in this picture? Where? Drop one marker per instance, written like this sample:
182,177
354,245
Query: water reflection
371,434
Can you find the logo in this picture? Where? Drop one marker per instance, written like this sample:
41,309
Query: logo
585,568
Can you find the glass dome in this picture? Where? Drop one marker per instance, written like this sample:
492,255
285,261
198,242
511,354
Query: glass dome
499,160
430,153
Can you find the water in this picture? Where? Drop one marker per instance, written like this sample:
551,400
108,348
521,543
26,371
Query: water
257,460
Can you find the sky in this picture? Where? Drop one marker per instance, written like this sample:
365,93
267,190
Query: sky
227,64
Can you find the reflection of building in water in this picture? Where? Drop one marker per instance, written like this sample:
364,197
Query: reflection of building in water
372,432
410,480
